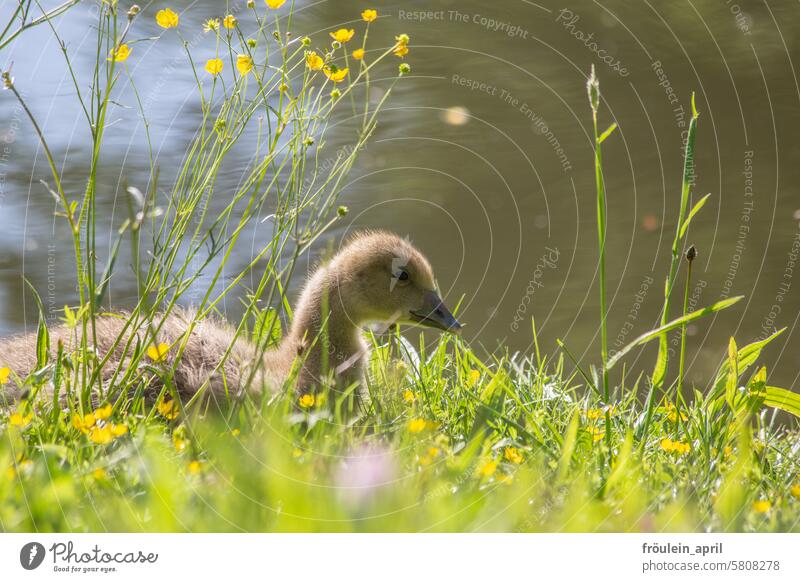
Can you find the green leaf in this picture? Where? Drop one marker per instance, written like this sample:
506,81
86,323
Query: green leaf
732,378
783,399
568,447
267,328
606,133
695,209
660,331
745,358
106,278
42,334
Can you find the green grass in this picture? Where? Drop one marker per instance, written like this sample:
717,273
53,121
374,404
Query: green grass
450,440
268,467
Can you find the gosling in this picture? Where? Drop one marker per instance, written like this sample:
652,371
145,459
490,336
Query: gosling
377,277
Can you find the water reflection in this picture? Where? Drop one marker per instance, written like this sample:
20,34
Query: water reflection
483,157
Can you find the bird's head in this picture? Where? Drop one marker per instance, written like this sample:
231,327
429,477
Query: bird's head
381,277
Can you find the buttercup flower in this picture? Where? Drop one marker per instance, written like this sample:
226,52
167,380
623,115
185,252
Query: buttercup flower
795,491
275,4
4,374
103,413
157,352
195,467
762,506
472,379
179,443
314,61
369,15
343,35
679,447
101,435
672,413
358,54
211,24
488,468
409,397
513,455
417,425
214,66
244,64
168,409
167,18
229,21
401,49
336,75
306,401
83,423
17,419
120,54
118,429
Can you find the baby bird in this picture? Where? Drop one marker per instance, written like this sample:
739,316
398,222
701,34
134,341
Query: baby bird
376,277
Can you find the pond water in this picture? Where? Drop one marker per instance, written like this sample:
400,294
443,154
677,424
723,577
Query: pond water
483,157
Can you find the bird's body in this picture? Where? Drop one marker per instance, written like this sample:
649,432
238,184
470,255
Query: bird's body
370,279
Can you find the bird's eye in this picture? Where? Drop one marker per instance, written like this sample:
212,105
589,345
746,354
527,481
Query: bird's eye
402,275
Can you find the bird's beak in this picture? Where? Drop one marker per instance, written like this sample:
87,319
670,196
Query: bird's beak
434,313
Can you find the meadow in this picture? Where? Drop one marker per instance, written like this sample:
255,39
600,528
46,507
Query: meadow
451,439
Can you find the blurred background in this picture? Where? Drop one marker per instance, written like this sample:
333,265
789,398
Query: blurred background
483,157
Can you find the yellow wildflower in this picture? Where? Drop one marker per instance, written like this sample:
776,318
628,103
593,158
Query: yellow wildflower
336,75
235,432
211,24
157,352
474,377
4,374
168,409
297,453
103,412
167,18
762,506
513,455
17,419
195,467
409,397
214,66
679,447
672,413
369,15
101,435
400,50
275,4
306,401
417,425
488,468
229,21
118,429
595,413
83,423
244,64
598,433
343,35
314,61
358,54
795,491
179,443
99,474
120,54
433,452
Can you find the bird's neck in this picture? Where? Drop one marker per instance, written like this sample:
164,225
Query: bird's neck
329,330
